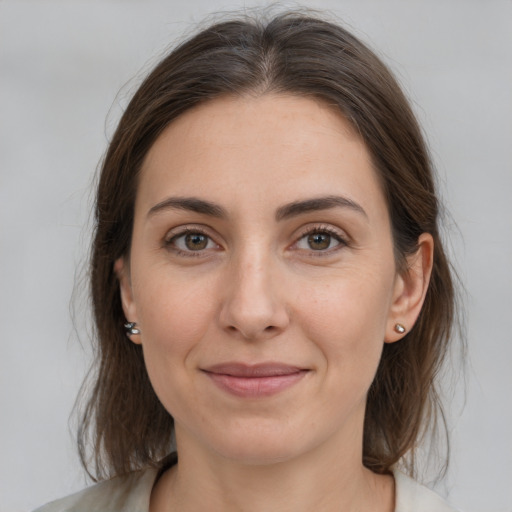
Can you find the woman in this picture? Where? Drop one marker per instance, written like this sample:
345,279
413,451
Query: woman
266,237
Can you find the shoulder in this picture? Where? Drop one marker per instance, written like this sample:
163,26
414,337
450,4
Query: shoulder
130,493
413,497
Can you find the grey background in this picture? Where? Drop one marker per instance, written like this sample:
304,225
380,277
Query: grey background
62,65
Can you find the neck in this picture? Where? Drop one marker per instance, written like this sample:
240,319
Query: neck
321,479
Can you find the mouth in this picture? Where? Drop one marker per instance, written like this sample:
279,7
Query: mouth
252,381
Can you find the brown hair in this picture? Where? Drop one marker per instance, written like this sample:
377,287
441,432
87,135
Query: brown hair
296,54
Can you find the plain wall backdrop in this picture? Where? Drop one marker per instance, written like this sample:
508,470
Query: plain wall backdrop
66,70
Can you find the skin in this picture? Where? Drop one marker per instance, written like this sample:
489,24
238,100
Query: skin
317,289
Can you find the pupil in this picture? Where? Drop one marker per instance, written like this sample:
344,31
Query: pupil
319,241
196,242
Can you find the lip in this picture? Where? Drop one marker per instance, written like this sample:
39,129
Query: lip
253,381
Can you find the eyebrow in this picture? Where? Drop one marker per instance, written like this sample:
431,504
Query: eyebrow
318,204
192,204
286,211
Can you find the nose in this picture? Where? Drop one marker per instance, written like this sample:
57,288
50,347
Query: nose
253,307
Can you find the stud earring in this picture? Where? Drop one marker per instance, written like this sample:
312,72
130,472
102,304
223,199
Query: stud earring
131,328
399,328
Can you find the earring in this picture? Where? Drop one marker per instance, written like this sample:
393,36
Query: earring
131,328
399,328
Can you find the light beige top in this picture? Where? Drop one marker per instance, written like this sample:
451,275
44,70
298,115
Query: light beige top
132,493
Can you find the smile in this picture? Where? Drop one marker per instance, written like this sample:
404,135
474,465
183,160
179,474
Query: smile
254,381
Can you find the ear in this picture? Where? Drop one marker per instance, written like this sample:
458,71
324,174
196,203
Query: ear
410,289
122,271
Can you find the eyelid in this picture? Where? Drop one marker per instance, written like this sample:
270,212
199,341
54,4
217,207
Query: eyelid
181,231
336,233
185,229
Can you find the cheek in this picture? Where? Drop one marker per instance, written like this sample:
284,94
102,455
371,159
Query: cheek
173,312
174,318
346,319
351,346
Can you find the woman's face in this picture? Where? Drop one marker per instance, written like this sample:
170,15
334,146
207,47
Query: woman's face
262,277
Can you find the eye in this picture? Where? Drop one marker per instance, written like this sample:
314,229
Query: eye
320,239
190,241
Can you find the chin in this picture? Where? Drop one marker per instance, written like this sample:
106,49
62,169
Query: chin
260,446
259,455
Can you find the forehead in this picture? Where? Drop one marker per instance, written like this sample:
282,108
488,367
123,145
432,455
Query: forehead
257,146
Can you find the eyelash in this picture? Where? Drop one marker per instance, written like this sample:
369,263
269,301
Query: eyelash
169,243
342,241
